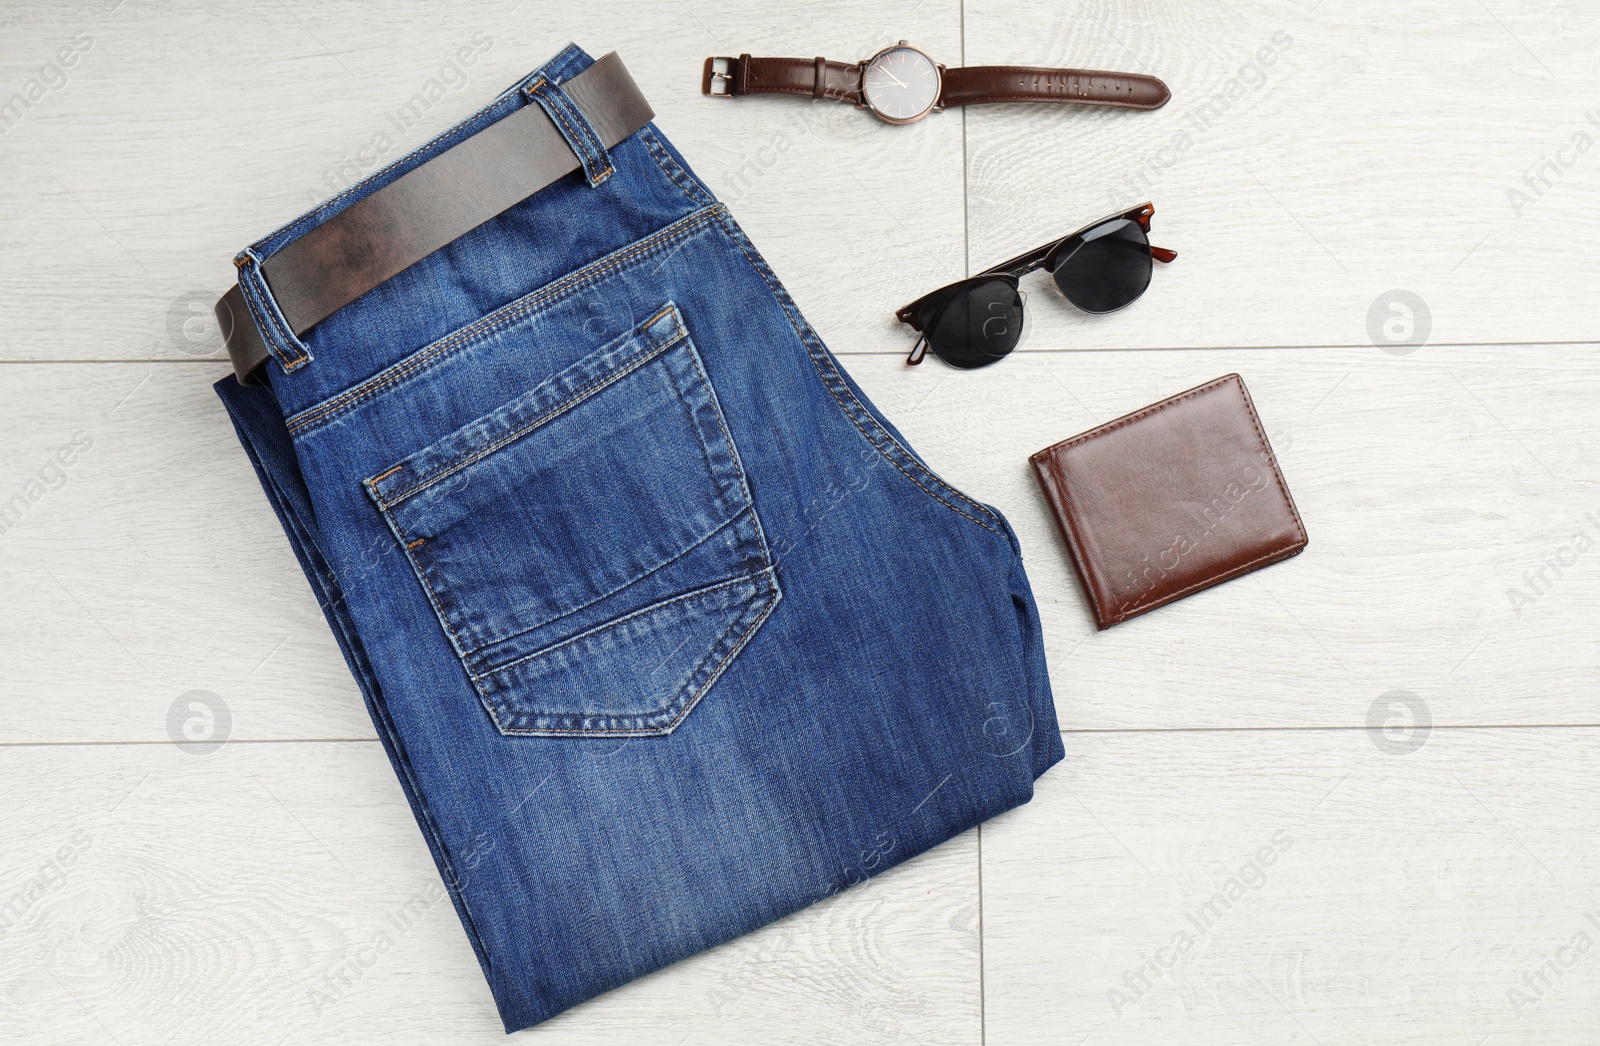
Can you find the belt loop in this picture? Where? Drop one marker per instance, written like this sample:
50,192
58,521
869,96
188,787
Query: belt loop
819,83
279,337
574,127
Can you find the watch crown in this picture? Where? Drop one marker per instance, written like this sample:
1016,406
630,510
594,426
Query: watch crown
903,43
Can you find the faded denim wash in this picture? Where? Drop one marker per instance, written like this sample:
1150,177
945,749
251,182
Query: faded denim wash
666,630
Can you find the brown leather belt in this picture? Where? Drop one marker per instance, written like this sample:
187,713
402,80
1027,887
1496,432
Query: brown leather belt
426,208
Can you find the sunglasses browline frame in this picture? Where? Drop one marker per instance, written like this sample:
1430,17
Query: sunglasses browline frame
1022,264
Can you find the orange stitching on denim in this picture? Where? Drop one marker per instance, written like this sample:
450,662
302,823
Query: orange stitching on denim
606,626
559,288
774,597
574,398
269,308
691,188
416,568
507,314
262,316
733,449
590,143
696,426
731,523
815,362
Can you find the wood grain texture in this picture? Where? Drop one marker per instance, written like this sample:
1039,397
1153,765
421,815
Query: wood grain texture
1401,899
1450,496
1442,491
277,893
150,566
1376,151
1373,699
185,132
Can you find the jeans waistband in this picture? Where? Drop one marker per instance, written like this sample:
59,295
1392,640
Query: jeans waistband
508,151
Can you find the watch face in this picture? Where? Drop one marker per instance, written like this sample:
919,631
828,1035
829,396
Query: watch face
901,84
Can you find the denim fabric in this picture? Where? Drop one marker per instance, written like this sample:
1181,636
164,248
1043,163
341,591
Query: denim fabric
665,629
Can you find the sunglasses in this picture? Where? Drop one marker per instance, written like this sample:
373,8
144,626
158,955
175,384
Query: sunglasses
1100,268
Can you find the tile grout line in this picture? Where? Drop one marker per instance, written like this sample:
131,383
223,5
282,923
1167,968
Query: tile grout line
1308,729
966,265
1363,346
1067,731
966,220
983,1002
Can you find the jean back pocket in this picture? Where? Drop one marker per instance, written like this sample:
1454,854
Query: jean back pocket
591,548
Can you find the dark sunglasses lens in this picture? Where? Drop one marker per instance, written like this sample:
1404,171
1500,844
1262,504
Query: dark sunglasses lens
1106,268
976,324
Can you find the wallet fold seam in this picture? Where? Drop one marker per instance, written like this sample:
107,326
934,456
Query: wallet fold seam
1046,465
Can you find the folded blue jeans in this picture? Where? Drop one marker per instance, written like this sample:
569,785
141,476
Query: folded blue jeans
665,629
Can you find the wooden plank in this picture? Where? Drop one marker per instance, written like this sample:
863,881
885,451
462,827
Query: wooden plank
144,562
1442,491
1313,158
179,137
1435,487
1367,896
240,896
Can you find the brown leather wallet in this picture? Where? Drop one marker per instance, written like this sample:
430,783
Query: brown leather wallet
1169,500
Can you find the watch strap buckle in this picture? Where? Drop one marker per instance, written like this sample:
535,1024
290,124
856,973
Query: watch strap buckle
716,79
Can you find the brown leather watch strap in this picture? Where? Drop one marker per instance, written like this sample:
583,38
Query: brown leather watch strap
816,77
978,84
426,208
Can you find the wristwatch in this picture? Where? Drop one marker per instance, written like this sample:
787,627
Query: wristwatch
901,84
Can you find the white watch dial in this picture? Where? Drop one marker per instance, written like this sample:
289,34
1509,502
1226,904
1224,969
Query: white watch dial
901,84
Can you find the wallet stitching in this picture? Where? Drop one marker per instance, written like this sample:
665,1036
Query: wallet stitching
1090,575
1243,568
1112,426
1266,448
1049,455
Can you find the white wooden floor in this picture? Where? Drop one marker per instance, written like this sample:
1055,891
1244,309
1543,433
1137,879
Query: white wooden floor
1438,882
